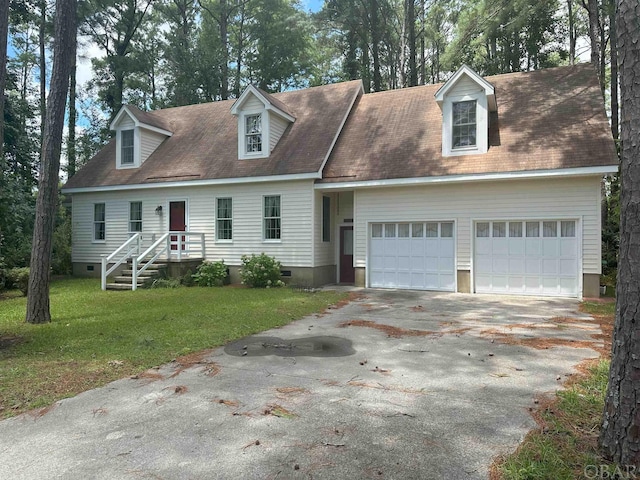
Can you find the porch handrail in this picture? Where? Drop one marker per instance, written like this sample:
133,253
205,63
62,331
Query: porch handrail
132,244
137,260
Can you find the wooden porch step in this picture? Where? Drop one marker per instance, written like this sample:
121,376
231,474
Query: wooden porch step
120,286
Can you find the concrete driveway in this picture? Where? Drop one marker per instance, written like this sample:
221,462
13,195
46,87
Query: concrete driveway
396,384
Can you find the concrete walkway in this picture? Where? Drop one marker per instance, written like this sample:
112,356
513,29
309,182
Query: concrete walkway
398,385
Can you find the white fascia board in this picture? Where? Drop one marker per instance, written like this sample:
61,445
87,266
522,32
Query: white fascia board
489,90
341,126
196,183
237,105
531,174
280,113
125,111
154,129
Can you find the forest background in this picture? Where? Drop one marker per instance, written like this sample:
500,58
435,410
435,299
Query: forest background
164,53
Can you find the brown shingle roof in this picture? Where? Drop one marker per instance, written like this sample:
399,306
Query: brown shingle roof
148,118
204,144
547,119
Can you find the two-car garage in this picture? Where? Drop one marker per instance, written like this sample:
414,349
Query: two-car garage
522,257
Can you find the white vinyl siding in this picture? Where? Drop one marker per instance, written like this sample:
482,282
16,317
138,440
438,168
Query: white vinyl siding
344,207
277,126
252,103
464,86
325,252
126,122
294,249
465,203
149,141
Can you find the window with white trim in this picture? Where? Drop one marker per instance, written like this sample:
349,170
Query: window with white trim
253,133
99,223
272,219
464,124
135,217
224,219
126,147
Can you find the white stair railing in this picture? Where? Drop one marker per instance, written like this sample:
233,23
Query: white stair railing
119,256
163,240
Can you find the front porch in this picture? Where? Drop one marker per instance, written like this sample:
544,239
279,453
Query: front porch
138,260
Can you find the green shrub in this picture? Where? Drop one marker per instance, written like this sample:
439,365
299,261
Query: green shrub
260,271
211,274
19,278
166,283
187,279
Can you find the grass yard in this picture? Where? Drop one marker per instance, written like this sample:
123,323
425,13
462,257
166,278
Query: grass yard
564,447
96,337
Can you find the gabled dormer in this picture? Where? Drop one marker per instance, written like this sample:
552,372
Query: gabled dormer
262,119
138,134
466,100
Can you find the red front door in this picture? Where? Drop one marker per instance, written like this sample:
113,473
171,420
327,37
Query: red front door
177,222
347,271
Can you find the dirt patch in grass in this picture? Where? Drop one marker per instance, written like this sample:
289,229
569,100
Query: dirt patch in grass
8,341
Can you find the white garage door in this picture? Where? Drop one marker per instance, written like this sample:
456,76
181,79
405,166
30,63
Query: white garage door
417,255
527,257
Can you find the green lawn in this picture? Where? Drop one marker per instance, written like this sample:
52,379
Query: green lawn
97,336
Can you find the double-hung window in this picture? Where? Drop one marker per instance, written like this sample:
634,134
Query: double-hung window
135,217
272,230
464,124
99,224
126,147
224,219
253,133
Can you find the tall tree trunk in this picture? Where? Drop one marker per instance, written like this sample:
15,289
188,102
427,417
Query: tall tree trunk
4,31
572,34
38,310
71,140
43,66
375,45
411,34
224,38
620,434
594,36
614,70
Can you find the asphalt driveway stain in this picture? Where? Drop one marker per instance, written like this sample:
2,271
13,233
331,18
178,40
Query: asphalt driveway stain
318,346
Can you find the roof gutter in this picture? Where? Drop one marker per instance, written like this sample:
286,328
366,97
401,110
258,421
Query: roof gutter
195,183
531,174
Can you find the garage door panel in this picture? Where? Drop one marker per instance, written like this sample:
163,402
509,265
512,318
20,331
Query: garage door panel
483,246
412,255
516,246
526,257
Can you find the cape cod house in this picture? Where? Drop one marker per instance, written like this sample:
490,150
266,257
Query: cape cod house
488,185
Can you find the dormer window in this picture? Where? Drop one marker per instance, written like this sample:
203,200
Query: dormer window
138,135
466,100
262,120
126,141
464,124
253,133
